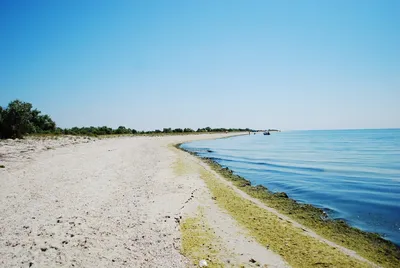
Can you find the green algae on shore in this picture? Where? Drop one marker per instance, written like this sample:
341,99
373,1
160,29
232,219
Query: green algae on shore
199,242
297,248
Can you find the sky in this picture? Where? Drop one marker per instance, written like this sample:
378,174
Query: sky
226,63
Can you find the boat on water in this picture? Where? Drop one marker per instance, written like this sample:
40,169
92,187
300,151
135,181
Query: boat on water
267,133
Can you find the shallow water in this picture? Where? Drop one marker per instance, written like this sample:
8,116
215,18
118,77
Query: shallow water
351,174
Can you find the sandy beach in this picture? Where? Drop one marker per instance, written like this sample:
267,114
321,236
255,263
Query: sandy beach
80,202
123,202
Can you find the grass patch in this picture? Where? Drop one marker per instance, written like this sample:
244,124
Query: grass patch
369,245
199,242
298,249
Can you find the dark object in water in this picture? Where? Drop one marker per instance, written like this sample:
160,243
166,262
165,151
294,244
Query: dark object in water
209,151
267,133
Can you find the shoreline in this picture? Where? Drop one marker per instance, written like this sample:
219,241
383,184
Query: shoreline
102,202
369,245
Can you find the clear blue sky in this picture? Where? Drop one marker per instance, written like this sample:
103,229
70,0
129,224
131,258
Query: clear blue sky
154,64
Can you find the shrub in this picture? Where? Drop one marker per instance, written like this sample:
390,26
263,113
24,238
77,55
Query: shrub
178,130
19,119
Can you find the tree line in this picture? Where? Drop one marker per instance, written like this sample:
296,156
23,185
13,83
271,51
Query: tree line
19,119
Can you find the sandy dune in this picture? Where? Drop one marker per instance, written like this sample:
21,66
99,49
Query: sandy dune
97,203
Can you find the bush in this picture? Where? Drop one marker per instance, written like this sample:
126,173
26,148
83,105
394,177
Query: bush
18,119
123,130
178,130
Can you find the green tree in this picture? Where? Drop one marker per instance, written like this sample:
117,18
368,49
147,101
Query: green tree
41,123
19,119
178,130
16,120
123,130
1,120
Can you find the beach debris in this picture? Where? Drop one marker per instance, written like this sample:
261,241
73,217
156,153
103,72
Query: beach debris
203,263
252,260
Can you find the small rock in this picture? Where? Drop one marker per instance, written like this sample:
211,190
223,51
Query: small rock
203,263
281,194
43,249
252,260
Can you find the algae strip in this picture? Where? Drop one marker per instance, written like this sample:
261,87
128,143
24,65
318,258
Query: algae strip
199,242
297,249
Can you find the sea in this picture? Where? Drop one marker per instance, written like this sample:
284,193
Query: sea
353,175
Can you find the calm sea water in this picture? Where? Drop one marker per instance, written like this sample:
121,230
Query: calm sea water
352,174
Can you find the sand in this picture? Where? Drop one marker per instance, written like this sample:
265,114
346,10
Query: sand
80,202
